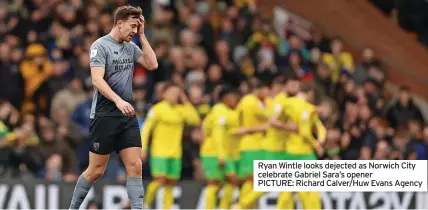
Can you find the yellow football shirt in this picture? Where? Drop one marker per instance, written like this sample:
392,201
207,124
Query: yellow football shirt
166,122
218,127
275,138
305,115
251,112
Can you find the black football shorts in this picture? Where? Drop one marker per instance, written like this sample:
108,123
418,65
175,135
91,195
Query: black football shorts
110,133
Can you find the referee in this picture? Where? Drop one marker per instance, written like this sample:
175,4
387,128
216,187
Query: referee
114,127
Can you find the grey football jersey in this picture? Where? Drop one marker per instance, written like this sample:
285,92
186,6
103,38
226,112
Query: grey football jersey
118,60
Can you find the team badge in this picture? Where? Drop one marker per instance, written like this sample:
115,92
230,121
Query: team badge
128,51
96,146
305,115
94,52
222,121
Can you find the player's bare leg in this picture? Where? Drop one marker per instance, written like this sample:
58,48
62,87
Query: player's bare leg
96,168
131,158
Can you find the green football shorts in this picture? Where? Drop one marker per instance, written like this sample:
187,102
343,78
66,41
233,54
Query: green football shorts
165,167
246,162
212,170
271,155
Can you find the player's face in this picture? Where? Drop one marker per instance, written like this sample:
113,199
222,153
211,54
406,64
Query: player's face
264,92
293,87
231,100
128,28
276,88
172,94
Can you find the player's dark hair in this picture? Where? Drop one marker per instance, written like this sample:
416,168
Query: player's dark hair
124,12
169,85
226,90
280,80
261,84
307,87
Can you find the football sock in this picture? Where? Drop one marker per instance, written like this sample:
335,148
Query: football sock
80,191
168,198
211,196
134,186
152,189
226,200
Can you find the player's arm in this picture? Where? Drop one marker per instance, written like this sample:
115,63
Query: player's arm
278,124
192,117
97,63
148,126
259,112
147,59
321,130
218,134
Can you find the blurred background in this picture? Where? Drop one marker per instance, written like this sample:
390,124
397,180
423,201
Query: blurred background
367,60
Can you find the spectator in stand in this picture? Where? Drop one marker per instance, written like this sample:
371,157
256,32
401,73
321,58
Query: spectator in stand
36,69
338,59
369,60
11,81
403,110
318,41
382,151
62,98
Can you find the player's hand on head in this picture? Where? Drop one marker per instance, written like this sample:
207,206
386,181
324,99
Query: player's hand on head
141,22
125,108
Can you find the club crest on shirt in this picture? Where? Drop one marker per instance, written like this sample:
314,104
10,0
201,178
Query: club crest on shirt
94,52
151,113
96,146
222,120
277,108
128,51
305,115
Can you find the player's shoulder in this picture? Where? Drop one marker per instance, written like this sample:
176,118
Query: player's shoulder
249,99
281,97
101,42
218,108
161,105
130,44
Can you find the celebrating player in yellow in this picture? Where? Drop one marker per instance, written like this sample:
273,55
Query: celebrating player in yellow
165,122
217,153
273,143
301,145
253,121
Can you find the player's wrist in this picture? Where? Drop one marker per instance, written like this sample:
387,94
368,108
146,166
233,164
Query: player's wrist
117,99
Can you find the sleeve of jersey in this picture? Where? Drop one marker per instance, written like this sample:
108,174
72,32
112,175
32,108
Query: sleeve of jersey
97,56
205,127
218,135
191,115
147,128
321,130
258,108
137,52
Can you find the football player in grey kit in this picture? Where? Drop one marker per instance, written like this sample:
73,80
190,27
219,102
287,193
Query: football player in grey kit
114,127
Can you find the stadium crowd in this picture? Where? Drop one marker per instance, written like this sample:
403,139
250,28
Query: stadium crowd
46,91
